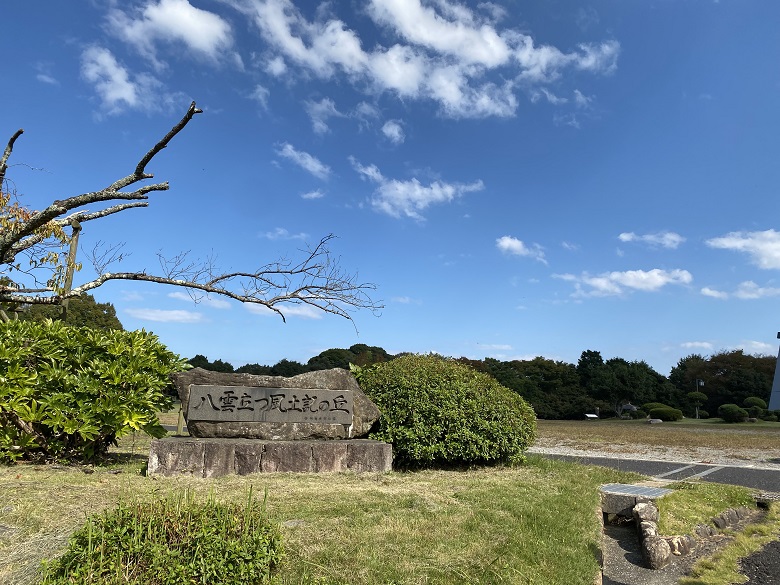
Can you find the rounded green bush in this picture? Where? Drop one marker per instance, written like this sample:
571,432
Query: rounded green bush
70,392
440,412
703,414
169,542
732,413
667,414
652,405
754,402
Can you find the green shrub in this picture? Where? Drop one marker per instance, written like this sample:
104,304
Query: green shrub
171,542
651,405
667,414
637,414
439,412
756,406
703,414
732,413
69,392
754,402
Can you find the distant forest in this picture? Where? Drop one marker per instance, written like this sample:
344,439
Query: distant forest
560,390
556,389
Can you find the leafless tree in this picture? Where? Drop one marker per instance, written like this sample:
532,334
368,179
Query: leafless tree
39,238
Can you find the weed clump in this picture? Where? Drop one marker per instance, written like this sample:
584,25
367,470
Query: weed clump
439,412
169,542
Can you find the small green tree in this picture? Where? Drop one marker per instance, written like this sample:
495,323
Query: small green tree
83,311
697,399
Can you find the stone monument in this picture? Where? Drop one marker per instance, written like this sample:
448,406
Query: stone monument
243,423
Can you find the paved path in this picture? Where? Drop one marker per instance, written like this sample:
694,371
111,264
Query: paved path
744,475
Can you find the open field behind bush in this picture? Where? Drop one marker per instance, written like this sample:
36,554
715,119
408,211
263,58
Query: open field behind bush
699,439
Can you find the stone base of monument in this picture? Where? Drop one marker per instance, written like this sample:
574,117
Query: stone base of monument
214,457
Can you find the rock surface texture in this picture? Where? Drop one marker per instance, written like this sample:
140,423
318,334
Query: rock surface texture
364,412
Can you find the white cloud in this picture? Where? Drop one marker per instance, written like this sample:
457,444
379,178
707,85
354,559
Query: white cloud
762,247
302,311
276,67
44,74
304,160
316,194
260,95
750,290
131,296
713,293
705,345
668,240
444,52
451,30
163,316
617,283
511,245
555,100
408,198
756,347
365,111
174,21
283,234
201,299
406,301
581,99
394,131
747,290
569,119
495,346
117,87
319,112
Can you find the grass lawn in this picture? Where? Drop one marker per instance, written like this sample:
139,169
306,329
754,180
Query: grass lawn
534,524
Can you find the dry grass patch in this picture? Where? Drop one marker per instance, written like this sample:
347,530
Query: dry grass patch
689,433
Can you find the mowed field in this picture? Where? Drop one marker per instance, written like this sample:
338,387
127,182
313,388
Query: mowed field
743,441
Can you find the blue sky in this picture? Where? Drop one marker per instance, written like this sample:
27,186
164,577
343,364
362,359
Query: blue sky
517,178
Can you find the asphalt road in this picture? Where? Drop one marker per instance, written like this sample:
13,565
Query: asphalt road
756,478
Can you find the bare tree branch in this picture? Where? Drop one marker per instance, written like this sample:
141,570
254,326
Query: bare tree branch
80,216
316,279
110,193
7,153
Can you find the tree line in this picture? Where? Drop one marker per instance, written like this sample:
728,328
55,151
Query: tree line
556,389
560,390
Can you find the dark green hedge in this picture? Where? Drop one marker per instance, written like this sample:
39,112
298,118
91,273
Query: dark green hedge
667,414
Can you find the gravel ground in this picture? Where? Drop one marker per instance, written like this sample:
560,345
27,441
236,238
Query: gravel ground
763,568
